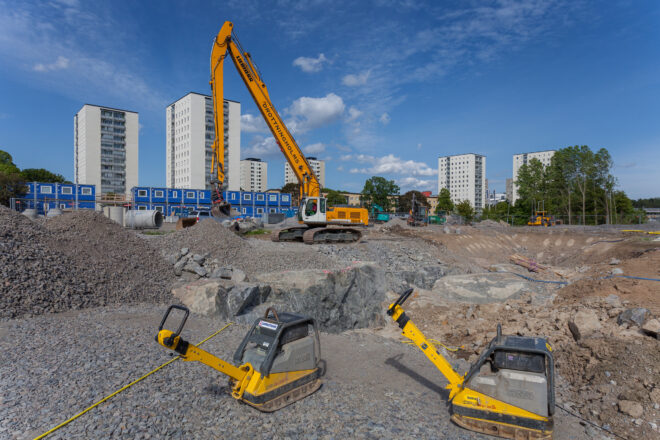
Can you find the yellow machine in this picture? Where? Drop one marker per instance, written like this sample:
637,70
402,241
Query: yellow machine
314,214
541,218
508,392
279,359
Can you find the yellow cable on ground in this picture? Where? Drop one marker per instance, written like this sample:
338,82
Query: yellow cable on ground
435,343
122,389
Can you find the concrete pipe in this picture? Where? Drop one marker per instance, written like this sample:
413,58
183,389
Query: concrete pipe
116,214
143,219
30,213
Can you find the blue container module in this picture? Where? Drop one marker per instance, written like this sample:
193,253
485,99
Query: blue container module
179,202
42,196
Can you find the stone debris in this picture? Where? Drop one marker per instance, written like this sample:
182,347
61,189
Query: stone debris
633,409
636,316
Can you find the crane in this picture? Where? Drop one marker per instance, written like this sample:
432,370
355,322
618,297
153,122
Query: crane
318,222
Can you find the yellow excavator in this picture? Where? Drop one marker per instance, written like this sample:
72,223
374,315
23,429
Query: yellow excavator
508,392
279,359
319,223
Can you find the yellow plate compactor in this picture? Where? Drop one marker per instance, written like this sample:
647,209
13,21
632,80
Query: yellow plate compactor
508,392
279,359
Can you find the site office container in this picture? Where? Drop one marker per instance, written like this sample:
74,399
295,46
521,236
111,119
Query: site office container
259,198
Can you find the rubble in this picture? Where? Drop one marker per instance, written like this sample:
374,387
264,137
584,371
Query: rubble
636,316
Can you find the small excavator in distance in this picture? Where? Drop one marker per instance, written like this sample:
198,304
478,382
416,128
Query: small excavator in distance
279,359
318,222
508,392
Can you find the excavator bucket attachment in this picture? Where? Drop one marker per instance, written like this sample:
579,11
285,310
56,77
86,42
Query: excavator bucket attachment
221,210
186,223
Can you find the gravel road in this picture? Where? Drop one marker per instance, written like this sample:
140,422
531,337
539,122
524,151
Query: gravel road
55,365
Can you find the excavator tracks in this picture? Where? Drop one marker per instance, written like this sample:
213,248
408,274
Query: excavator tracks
294,233
331,235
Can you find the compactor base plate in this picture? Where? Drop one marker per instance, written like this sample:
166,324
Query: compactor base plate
498,429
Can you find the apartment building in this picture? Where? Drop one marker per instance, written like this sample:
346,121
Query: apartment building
522,159
318,166
190,131
254,175
464,175
105,149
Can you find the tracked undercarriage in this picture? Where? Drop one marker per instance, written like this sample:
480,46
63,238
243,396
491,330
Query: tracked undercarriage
318,235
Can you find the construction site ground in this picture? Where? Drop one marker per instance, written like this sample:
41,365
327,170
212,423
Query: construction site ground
65,347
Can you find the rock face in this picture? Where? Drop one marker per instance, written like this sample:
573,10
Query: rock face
482,288
220,298
341,300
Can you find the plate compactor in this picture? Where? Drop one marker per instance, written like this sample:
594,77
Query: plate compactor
279,359
508,392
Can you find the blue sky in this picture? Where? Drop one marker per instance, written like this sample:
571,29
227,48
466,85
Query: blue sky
374,87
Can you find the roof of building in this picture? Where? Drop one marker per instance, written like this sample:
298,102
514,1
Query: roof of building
533,152
107,108
200,94
464,154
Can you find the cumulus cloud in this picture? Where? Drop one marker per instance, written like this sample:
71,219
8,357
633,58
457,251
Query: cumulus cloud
261,147
385,118
310,65
353,114
314,148
352,80
59,64
309,113
410,183
253,124
390,164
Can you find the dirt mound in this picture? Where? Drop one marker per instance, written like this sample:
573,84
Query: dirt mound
74,261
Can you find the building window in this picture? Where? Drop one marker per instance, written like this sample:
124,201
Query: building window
272,197
247,196
233,196
260,197
142,193
62,205
158,208
244,210
285,198
201,194
190,194
86,191
260,210
272,210
142,208
173,193
67,190
159,193
46,190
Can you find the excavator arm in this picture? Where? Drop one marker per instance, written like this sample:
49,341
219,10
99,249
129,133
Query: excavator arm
227,43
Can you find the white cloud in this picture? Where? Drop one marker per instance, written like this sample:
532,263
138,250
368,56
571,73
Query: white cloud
356,80
314,148
346,157
385,118
419,146
391,164
309,113
253,124
353,114
310,65
261,147
340,168
410,183
59,64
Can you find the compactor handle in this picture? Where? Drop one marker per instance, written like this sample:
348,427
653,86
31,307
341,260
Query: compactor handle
183,322
399,302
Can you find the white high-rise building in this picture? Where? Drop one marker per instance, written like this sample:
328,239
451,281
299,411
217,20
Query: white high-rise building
105,149
190,131
464,175
254,175
318,166
523,158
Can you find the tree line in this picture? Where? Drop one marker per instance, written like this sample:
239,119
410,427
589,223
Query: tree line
578,186
13,179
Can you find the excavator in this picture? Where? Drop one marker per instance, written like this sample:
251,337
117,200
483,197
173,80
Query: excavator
318,223
507,392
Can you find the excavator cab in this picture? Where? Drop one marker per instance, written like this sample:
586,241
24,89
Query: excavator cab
313,210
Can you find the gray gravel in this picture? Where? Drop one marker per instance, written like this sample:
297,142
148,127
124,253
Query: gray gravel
74,261
56,365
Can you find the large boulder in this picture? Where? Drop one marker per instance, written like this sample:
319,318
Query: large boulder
338,300
220,298
235,300
200,297
584,324
635,316
424,277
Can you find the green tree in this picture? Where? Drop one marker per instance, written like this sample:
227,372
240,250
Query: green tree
7,165
444,202
12,185
405,201
376,191
465,210
42,175
335,198
531,181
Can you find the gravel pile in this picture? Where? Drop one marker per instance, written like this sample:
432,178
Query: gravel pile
74,261
374,387
252,256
